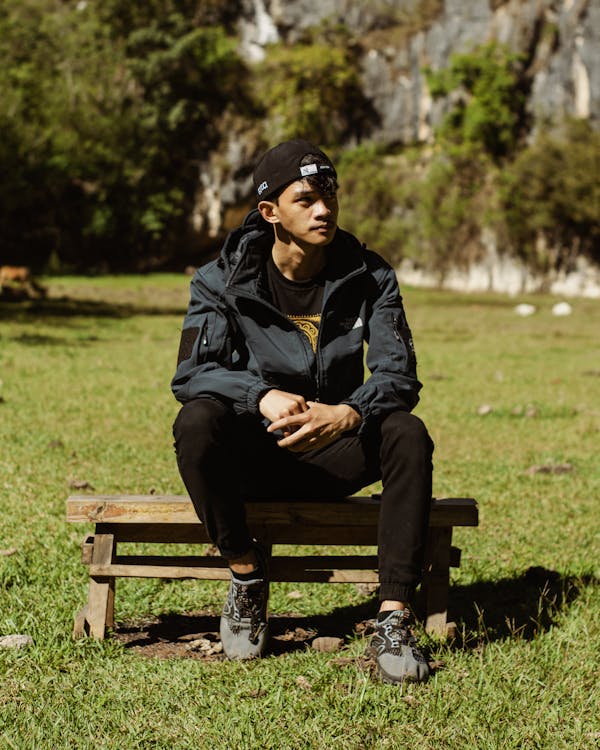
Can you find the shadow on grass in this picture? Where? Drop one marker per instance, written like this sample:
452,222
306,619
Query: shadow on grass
523,606
520,607
68,307
171,634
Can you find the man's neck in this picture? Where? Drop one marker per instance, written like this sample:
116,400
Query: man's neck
298,263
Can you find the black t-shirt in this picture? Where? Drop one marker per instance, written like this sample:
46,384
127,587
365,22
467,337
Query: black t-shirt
300,301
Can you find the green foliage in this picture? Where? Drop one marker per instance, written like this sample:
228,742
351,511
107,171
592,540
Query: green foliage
109,110
102,124
551,192
427,207
311,90
488,107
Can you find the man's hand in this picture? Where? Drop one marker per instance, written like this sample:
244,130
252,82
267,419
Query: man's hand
315,427
275,405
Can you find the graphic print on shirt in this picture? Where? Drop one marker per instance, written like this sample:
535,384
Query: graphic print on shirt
309,325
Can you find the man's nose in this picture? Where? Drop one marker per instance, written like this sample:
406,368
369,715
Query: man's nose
323,208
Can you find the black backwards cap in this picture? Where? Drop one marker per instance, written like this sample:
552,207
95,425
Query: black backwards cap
281,165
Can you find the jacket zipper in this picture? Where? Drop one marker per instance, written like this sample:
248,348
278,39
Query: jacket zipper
301,336
335,290
303,340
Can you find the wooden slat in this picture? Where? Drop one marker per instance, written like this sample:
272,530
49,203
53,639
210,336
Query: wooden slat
326,569
195,534
165,533
178,509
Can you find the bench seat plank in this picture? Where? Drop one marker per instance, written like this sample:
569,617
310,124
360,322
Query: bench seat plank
178,509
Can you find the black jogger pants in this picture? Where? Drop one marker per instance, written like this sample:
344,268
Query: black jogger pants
224,458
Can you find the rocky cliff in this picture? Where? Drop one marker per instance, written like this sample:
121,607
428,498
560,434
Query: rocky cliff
559,41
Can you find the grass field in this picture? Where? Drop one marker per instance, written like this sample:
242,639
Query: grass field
84,396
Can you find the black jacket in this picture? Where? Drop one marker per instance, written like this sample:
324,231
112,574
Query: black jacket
236,345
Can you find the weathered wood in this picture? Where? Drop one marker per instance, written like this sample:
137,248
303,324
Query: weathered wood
178,509
80,623
100,606
436,580
195,534
172,519
280,573
326,568
87,548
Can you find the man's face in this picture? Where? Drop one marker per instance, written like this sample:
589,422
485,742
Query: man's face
306,214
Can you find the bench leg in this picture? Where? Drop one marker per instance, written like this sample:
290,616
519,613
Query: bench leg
436,581
98,614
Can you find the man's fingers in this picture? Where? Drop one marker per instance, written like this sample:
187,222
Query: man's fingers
291,420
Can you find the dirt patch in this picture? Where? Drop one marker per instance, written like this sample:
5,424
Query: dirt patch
195,635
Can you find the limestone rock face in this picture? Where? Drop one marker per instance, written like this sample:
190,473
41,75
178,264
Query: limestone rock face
395,40
560,41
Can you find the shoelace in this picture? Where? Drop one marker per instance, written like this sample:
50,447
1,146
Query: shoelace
246,606
396,632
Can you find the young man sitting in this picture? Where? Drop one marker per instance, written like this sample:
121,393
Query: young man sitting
275,404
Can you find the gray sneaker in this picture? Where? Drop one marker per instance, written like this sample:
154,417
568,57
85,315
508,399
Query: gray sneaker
244,629
394,647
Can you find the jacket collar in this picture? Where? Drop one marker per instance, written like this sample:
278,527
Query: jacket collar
246,249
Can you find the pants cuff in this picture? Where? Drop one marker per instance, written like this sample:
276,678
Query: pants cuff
400,592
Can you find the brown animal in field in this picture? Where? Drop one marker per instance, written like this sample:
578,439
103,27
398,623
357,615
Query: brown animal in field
16,283
14,275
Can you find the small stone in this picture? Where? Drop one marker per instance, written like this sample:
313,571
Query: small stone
205,646
366,589
16,641
303,682
484,409
561,309
8,552
79,484
199,644
524,310
327,644
549,469
531,411
294,595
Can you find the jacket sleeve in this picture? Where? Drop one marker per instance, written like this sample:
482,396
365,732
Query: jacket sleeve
391,358
212,360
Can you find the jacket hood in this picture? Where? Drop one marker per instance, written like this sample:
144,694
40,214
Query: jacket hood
253,228
244,252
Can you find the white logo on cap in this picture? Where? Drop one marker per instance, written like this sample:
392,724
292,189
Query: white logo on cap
309,169
262,187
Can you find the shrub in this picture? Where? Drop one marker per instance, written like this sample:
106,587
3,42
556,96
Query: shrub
427,207
311,90
489,102
551,192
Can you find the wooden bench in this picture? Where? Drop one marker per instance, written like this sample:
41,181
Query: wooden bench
172,519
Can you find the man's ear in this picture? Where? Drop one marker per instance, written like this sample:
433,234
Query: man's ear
268,210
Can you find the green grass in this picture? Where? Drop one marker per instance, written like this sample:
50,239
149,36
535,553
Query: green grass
84,388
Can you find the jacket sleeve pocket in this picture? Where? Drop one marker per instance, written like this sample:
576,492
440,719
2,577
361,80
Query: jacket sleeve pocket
197,340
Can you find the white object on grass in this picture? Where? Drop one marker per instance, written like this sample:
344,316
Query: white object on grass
524,310
561,309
